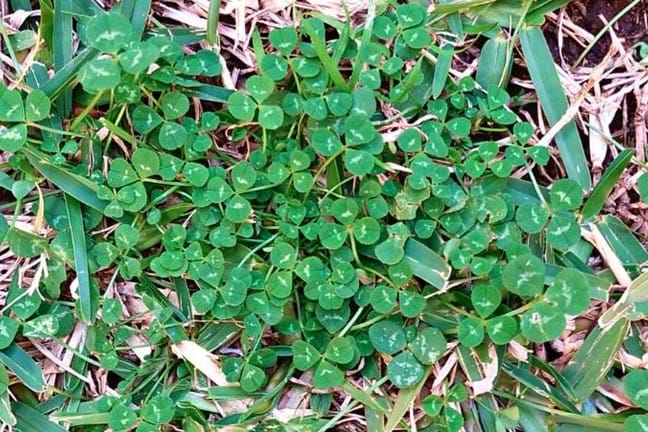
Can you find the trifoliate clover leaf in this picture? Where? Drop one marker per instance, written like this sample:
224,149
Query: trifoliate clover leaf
634,386
563,232
138,57
502,329
358,130
432,405
271,117
417,38
332,236
13,138
260,87
410,141
210,63
121,173
126,236
358,162
108,32
411,303
459,127
485,298
37,106
8,329
172,136
99,74
316,108
387,337
390,251
429,345
195,173
325,142
340,350
326,376
252,378
274,67
383,299
174,105
146,162
471,332
121,418
283,39
565,194
366,230
524,275
523,131
11,106
238,209
159,409
543,323
145,119
283,255
531,217
569,291
339,104
636,423
410,15
404,370
305,355
243,176
241,106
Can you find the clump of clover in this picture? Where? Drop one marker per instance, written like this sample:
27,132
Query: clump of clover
308,238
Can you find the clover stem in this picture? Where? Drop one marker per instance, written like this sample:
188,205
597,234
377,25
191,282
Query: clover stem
536,186
326,163
86,110
368,323
351,322
525,307
257,248
354,249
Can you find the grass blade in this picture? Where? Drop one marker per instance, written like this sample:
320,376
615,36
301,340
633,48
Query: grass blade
87,298
403,401
622,241
212,22
24,367
210,93
539,386
441,70
594,358
494,65
62,50
66,74
76,186
427,264
554,103
30,419
327,61
602,190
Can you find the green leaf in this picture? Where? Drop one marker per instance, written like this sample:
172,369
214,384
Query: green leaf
172,136
24,367
8,329
283,39
485,298
241,106
340,350
11,105
146,162
502,329
87,296
387,337
471,332
99,75
429,345
441,70
634,386
599,195
404,371
543,323
107,32
554,103
305,355
326,376
37,106
270,117
565,194
531,217
426,264
12,138
524,275
159,409
569,291
563,232
174,105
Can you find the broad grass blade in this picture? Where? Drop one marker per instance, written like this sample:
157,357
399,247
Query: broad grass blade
24,367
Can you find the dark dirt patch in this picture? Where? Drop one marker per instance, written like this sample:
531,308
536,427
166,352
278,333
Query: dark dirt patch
633,26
